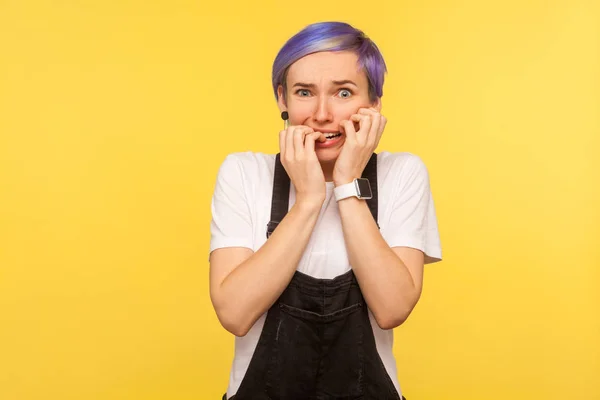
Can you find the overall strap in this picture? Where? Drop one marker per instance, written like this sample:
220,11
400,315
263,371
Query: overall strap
280,199
370,173
281,192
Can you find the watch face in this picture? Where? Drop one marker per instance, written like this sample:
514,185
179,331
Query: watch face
364,188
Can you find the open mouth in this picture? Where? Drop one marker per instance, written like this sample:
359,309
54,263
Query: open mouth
332,139
330,136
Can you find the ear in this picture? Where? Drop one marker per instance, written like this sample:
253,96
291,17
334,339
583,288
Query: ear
280,100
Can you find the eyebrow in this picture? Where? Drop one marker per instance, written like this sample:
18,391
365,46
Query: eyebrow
312,85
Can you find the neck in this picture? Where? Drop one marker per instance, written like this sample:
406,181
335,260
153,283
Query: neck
327,167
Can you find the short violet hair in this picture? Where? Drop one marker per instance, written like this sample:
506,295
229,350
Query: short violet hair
331,36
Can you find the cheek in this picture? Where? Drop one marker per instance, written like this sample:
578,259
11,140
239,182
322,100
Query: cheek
299,114
347,110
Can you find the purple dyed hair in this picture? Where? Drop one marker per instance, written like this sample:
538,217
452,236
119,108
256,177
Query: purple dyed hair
331,36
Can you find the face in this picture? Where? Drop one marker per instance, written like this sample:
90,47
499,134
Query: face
324,89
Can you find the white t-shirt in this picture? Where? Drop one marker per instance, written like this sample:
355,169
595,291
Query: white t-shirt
241,209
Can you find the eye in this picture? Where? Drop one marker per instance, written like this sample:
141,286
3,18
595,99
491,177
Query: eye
303,92
345,93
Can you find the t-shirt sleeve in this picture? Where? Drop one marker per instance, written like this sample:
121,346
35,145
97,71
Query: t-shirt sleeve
413,221
231,224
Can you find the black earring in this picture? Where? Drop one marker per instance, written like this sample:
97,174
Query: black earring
285,115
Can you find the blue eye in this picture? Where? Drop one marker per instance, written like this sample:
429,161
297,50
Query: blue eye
347,94
301,91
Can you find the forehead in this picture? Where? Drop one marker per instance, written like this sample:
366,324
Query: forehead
325,67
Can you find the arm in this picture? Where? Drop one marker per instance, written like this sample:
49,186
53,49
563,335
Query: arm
244,285
390,278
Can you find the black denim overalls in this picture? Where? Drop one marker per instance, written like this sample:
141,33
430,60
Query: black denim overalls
317,342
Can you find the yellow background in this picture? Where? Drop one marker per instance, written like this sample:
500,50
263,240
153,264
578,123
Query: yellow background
115,116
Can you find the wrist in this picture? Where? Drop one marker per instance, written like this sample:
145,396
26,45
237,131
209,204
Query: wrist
342,181
350,200
358,187
309,203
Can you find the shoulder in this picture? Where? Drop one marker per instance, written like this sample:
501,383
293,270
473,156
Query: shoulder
247,172
400,165
248,159
247,163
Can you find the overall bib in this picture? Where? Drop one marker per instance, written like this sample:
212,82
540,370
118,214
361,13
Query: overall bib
317,342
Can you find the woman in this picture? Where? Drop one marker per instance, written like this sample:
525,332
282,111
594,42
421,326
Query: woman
318,252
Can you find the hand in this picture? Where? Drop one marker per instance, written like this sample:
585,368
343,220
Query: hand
298,157
359,146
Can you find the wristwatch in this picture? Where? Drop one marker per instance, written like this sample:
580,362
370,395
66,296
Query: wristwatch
360,188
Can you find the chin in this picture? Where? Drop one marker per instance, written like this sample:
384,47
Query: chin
327,155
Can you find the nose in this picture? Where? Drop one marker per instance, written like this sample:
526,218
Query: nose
322,112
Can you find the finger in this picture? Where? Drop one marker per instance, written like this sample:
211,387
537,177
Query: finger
359,119
299,135
382,124
289,143
282,143
366,128
362,116
364,122
298,138
348,128
309,142
377,121
375,115
366,111
373,138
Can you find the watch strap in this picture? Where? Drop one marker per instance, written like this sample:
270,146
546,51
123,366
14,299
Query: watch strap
346,190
